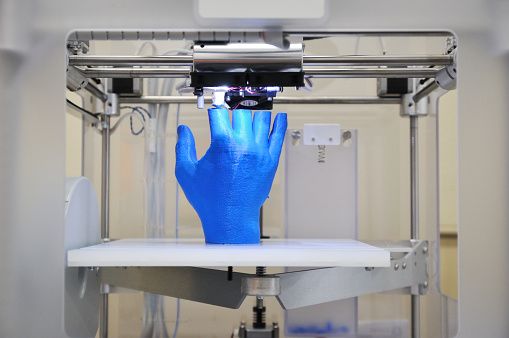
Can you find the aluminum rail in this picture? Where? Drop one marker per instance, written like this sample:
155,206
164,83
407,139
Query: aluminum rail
104,72
308,60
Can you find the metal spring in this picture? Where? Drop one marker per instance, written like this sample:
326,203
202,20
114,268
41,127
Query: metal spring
260,270
321,154
260,320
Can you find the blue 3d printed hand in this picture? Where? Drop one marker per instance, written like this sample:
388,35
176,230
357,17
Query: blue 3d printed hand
229,184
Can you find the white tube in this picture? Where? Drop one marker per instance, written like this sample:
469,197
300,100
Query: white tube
154,325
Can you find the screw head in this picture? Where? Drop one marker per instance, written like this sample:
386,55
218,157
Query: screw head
403,265
396,266
425,250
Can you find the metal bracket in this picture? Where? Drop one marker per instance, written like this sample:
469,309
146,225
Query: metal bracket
78,47
444,81
292,289
409,107
74,79
112,106
446,77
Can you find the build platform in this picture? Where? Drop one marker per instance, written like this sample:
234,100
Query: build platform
196,253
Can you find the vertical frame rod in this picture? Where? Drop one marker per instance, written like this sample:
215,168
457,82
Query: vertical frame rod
105,179
105,214
414,216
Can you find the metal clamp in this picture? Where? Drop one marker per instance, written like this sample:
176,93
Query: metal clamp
446,77
445,80
112,105
75,80
409,106
78,47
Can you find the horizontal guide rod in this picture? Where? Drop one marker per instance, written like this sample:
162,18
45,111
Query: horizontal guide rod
104,72
277,100
371,72
135,72
309,60
382,60
121,60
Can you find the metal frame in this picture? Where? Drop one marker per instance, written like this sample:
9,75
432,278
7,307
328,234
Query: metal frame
408,271
121,277
360,281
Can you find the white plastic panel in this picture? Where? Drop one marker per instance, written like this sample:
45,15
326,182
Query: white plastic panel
195,252
81,299
321,187
324,134
321,184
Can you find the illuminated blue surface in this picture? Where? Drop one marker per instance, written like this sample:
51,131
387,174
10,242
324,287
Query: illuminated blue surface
229,184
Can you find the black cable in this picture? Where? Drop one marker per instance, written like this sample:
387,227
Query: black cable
136,109
82,110
141,112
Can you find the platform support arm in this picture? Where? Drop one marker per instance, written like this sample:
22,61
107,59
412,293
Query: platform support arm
316,286
408,270
202,285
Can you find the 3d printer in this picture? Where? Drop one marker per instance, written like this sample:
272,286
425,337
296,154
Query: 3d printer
242,70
